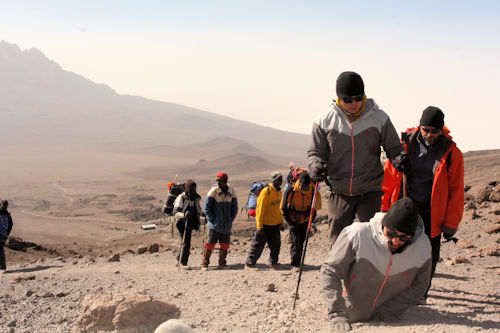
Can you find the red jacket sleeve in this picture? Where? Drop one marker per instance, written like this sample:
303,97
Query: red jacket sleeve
456,194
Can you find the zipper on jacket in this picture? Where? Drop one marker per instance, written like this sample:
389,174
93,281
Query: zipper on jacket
352,158
389,265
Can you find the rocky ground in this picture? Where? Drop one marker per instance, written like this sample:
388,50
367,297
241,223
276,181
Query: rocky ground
46,295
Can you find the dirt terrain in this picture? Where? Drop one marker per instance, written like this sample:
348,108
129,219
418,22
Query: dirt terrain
75,225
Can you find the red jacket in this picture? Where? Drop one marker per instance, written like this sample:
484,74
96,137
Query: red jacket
447,198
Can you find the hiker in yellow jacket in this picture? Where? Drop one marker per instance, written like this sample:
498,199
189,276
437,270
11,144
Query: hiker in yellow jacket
269,223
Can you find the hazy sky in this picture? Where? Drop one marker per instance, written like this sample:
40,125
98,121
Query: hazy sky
275,62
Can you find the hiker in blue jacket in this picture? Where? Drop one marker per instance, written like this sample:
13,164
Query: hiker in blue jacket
221,207
5,228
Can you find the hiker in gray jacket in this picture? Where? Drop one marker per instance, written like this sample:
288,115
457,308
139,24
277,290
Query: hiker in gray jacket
384,266
345,152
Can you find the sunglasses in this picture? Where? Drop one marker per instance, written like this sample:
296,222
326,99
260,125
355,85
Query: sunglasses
349,100
393,235
431,130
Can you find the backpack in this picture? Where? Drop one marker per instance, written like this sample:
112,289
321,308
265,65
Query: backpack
174,189
252,197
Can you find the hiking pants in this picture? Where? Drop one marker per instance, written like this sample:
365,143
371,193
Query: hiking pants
425,213
342,209
298,233
2,253
186,246
271,235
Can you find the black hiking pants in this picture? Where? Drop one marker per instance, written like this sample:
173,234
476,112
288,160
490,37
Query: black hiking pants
2,253
186,246
425,213
270,234
298,233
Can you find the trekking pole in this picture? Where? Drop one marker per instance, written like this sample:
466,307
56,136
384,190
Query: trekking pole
181,250
313,206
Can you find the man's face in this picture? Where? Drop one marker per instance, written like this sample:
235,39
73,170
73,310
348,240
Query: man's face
395,238
430,134
277,182
222,182
352,104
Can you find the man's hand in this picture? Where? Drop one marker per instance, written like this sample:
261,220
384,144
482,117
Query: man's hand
402,163
449,237
318,173
340,324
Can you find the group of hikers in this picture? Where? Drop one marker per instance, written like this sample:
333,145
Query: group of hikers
376,267
381,265
221,208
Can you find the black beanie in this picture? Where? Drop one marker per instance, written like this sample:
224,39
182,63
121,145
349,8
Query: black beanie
432,116
304,178
350,84
402,216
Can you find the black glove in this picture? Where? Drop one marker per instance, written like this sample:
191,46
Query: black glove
449,237
318,173
340,324
282,228
402,163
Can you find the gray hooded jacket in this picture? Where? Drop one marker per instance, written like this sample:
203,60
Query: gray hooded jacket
351,151
376,281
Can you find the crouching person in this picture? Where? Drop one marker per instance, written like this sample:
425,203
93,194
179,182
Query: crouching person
221,208
187,211
384,265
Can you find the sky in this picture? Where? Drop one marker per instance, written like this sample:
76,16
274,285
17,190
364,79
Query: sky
275,63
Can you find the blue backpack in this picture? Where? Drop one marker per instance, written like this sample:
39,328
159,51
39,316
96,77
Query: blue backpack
251,204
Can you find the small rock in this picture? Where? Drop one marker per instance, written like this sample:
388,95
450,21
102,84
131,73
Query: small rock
465,244
173,325
153,248
460,260
141,249
271,287
23,278
477,236
62,294
115,257
492,249
475,215
48,294
491,229
13,323
29,293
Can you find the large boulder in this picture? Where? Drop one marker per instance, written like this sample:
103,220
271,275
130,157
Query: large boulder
125,312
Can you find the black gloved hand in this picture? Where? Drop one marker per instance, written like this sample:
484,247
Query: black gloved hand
402,163
449,237
282,228
318,173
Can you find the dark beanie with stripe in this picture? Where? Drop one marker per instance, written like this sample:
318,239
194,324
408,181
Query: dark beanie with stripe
432,116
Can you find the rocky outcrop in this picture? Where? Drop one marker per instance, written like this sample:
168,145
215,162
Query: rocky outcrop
124,313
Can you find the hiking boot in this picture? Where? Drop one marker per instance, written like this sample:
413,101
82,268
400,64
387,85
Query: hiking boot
222,258
251,268
206,258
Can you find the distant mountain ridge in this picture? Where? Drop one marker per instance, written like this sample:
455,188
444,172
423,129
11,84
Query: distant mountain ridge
45,105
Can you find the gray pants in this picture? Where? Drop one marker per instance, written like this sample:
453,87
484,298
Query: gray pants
342,210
